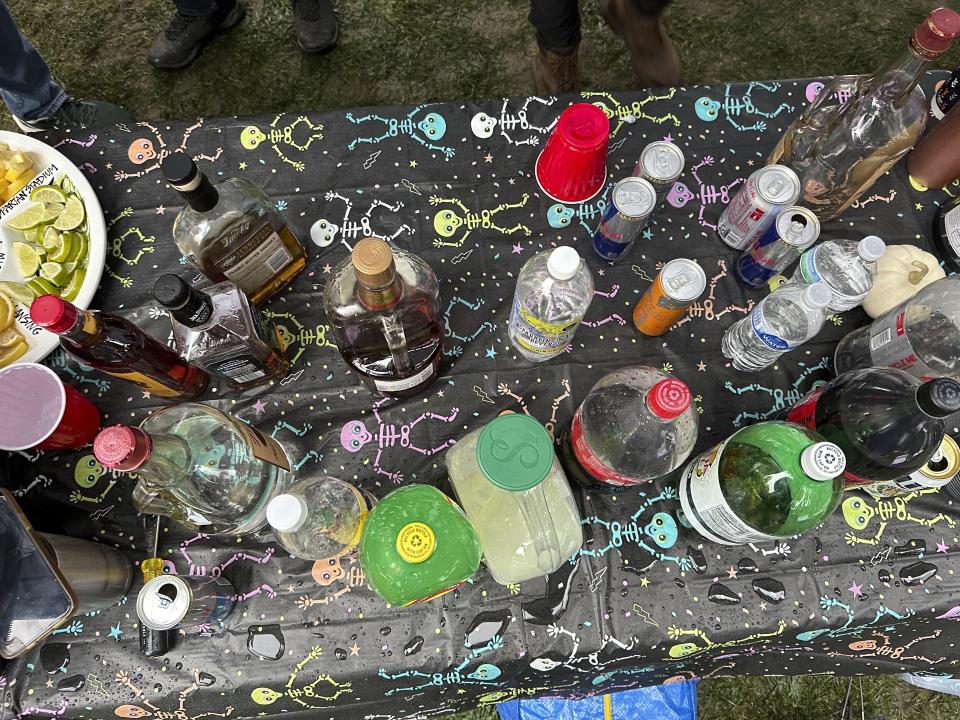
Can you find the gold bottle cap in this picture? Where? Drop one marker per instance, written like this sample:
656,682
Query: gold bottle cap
373,262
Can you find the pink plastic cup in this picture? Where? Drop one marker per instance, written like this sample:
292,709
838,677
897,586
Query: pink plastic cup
38,410
572,167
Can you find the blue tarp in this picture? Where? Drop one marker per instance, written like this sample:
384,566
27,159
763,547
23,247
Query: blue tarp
675,701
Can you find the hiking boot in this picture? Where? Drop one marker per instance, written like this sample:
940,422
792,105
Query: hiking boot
185,36
655,60
556,70
316,25
78,115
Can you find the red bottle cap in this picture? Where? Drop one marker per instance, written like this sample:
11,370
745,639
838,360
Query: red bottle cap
53,313
935,34
669,398
122,447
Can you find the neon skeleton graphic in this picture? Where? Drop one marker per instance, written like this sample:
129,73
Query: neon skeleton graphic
708,194
689,649
427,131
318,693
455,340
151,152
737,109
119,247
848,628
484,674
859,512
147,709
297,136
630,112
448,223
781,399
354,436
351,231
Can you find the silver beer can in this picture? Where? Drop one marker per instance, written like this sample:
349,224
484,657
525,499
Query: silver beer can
755,207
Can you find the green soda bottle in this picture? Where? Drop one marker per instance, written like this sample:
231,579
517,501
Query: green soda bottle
417,545
768,481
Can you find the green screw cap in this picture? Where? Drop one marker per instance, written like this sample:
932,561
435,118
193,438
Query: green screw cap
515,452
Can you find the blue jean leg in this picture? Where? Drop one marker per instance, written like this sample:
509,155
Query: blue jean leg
26,86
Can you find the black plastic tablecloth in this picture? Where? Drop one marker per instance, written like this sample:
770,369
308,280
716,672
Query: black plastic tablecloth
877,598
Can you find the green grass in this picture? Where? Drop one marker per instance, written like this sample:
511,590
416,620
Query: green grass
411,51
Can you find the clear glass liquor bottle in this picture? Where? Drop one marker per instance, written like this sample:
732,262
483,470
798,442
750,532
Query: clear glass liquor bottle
232,231
860,125
383,305
199,466
219,330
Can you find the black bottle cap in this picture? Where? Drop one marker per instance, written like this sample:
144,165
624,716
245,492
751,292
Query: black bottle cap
190,307
179,169
183,174
939,397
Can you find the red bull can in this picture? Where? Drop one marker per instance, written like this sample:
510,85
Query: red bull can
794,230
170,601
627,213
752,210
660,164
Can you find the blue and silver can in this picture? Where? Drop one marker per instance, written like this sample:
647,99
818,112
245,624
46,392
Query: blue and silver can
170,601
627,213
794,230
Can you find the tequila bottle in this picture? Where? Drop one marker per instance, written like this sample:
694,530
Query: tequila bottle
207,470
232,231
858,126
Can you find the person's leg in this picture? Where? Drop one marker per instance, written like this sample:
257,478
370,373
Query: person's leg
556,67
638,22
194,24
36,101
316,25
25,82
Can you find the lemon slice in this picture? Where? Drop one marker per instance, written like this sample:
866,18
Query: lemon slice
72,216
30,218
48,194
18,292
72,289
27,258
7,310
42,286
55,273
14,353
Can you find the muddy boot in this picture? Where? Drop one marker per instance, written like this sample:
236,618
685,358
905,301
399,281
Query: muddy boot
556,70
655,60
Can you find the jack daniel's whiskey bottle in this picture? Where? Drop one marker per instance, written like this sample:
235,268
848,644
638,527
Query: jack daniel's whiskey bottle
231,231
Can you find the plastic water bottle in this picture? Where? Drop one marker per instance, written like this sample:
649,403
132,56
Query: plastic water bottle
848,267
319,518
554,291
784,320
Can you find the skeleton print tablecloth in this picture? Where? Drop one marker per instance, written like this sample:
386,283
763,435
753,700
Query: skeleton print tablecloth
874,590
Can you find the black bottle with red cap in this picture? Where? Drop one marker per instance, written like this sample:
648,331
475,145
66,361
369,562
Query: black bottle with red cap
117,347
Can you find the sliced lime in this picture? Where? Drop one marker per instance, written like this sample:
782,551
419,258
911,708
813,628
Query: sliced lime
60,251
66,184
50,238
42,286
27,258
51,211
29,218
78,246
72,215
17,291
72,288
48,194
55,273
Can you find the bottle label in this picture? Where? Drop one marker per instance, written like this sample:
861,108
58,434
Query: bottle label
263,446
253,258
804,412
155,388
242,368
538,336
705,507
890,346
951,222
407,382
416,542
590,462
765,332
808,267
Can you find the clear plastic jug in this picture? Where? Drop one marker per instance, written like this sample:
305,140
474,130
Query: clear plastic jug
514,491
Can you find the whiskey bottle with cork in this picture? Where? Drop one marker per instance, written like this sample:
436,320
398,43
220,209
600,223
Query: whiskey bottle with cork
232,231
383,306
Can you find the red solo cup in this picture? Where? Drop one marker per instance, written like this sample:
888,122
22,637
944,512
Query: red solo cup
38,410
572,167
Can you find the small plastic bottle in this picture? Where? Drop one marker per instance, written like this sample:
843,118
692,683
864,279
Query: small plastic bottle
783,321
554,291
848,267
319,518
